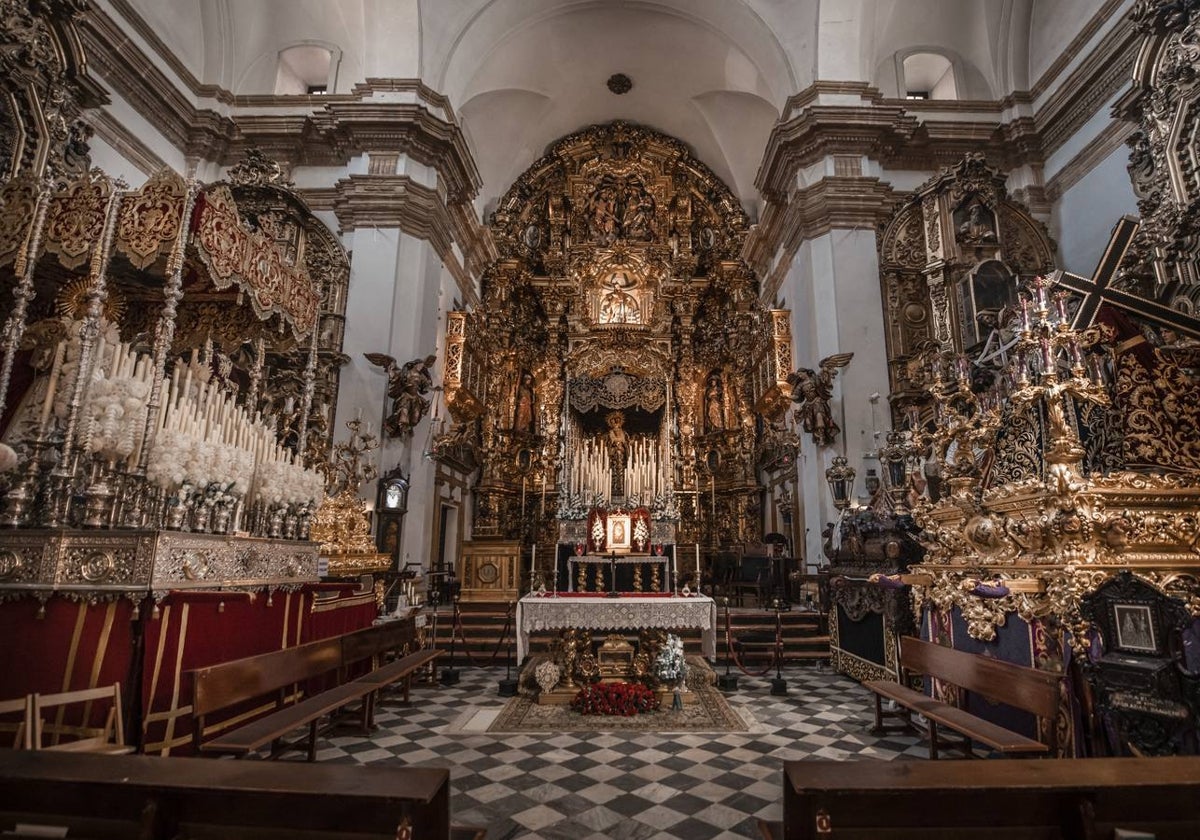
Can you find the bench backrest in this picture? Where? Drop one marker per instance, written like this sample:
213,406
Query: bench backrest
379,638
220,686
1023,688
162,798
1016,800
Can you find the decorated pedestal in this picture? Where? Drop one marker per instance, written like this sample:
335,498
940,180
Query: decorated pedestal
43,561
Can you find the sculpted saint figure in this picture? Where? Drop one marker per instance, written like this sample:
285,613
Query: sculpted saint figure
523,419
618,306
813,391
407,386
714,403
617,441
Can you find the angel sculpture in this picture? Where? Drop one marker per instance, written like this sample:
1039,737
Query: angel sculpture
407,386
813,390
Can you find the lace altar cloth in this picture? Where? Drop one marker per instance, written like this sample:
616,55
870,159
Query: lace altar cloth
627,612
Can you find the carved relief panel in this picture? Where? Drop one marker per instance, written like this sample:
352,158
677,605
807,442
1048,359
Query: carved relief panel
949,260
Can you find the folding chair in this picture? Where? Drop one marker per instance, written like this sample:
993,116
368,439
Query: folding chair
22,729
108,739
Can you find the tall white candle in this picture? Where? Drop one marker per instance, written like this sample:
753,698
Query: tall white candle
52,386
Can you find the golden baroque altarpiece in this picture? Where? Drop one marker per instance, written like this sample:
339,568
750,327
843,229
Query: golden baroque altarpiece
621,358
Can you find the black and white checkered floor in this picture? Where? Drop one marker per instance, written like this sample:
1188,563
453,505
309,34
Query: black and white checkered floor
624,785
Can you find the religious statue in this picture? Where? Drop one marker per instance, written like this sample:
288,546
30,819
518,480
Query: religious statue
617,442
407,386
602,215
978,226
640,222
714,403
523,411
813,391
618,306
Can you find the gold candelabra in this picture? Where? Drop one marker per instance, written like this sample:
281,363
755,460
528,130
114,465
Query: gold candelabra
1048,367
342,524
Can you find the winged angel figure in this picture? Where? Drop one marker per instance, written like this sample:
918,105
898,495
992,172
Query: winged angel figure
407,386
813,390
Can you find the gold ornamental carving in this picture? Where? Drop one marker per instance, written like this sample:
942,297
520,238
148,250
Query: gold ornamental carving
619,288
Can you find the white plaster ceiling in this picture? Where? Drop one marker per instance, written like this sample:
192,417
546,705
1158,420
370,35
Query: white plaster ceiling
525,78
714,73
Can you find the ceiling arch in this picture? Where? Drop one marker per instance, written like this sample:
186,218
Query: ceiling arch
529,73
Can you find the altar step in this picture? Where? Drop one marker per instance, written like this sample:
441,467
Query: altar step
804,635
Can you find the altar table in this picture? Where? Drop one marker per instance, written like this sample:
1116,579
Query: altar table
627,612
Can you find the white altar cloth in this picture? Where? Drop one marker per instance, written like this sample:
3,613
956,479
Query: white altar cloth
628,612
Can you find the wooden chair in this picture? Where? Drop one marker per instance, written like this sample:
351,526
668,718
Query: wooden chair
108,739
754,575
22,729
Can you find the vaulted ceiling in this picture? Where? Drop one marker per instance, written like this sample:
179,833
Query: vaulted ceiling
714,73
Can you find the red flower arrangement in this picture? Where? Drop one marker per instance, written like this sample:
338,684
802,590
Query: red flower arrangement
616,698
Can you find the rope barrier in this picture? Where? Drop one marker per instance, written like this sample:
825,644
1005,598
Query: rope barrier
732,654
457,627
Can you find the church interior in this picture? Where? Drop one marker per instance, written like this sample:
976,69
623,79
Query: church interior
600,418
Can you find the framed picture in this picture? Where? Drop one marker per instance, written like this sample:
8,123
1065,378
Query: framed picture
1134,625
619,532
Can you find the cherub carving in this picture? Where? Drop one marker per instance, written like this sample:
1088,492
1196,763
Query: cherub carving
407,386
813,390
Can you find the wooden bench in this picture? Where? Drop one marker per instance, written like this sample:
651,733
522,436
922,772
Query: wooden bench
283,673
280,675
159,798
397,671
1023,688
1068,799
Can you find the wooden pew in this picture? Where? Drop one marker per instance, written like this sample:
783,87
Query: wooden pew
1069,799
278,676
1023,688
150,797
372,643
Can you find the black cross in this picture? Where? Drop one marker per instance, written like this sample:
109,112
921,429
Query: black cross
1098,289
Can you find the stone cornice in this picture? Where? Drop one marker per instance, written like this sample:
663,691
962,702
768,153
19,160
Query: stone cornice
114,133
1056,68
1097,79
844,202
397,201
887,133
337,127
821,130
1101,146
139,81
356,127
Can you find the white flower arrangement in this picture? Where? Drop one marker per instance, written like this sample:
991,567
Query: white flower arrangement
116,416
177,458
280,482
670,667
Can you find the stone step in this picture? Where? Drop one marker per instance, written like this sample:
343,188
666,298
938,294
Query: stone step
804,635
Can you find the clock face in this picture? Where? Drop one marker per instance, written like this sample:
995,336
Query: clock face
487,573
391,496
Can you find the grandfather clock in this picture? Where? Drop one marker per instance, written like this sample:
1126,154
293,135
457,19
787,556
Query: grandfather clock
390,507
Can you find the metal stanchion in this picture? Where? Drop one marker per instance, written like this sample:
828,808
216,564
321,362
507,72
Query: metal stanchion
727,681
779,684
450,674
508,685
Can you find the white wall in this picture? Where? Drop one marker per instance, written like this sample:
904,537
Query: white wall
1083,219
833,292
